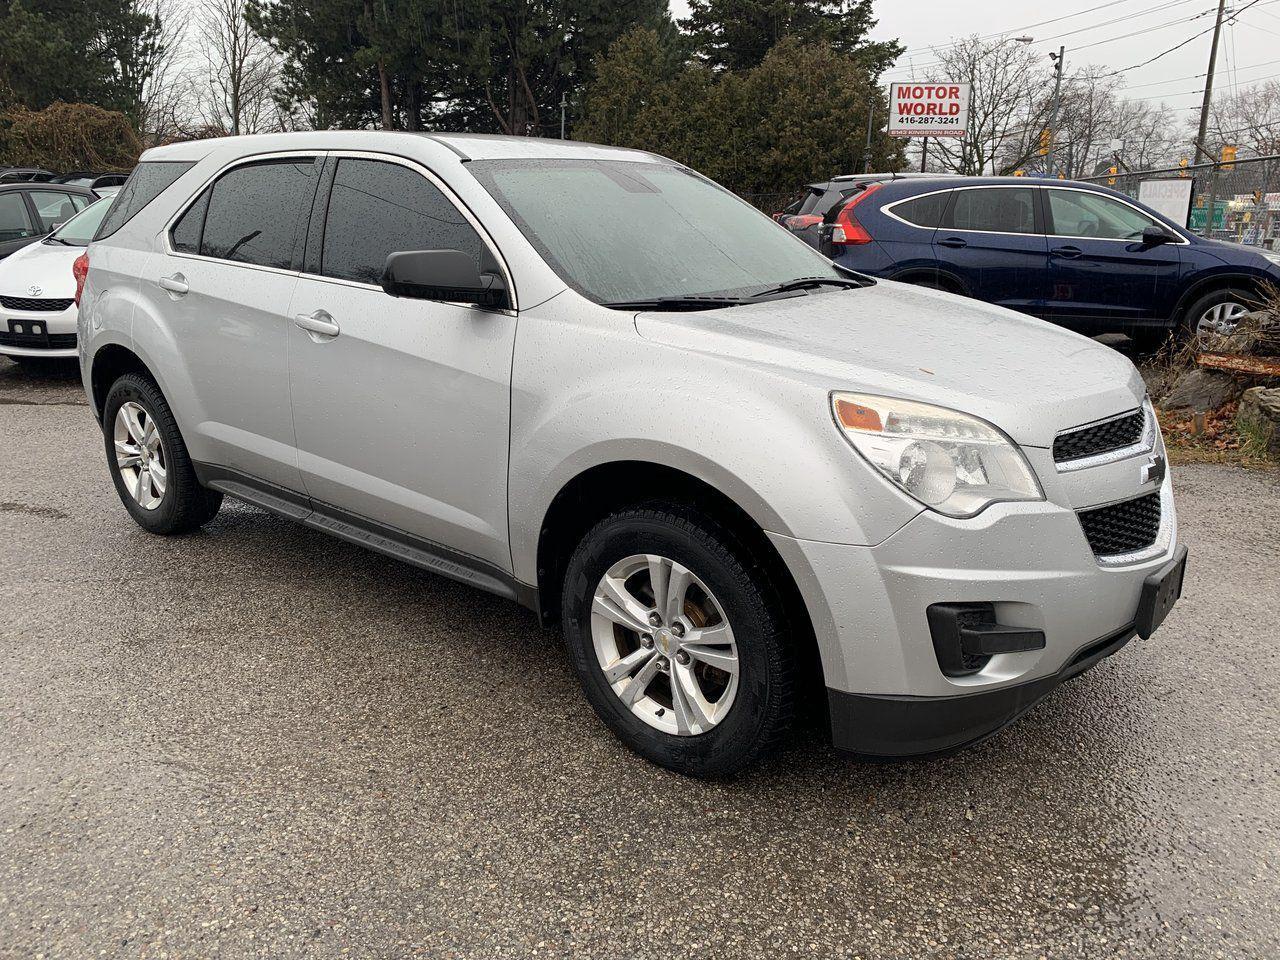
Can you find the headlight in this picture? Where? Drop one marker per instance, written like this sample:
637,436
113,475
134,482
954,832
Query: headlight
1273,257
951,462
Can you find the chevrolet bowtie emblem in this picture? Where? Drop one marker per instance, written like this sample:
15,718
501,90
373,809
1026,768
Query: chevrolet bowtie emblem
1153,470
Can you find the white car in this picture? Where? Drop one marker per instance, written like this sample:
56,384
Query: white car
37,290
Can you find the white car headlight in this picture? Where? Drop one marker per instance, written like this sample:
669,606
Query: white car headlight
951,462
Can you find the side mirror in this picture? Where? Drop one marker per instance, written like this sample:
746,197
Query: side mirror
1155,236
449,275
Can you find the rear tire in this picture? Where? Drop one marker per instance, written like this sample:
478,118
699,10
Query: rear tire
687,715
170,499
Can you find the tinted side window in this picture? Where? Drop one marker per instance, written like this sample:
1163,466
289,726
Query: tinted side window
255,210
924,211
147,182
994,209
379,208
186,232
15,224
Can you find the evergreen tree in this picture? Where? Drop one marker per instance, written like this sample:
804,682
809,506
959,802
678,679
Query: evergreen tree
88,51
736,34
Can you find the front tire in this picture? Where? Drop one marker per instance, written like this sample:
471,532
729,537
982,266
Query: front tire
679,641
1217,312
148,459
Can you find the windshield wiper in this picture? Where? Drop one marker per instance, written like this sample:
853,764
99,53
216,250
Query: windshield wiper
58,240
691,302
808,283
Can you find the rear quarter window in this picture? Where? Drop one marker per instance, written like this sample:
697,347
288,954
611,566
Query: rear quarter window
923,211
147,182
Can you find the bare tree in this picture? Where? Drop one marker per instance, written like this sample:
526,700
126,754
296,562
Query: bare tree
1007,104
242,72
165,98
1249,118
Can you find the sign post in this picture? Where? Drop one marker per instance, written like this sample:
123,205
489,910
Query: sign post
928,110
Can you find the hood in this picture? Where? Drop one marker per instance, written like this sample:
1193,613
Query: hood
45,265
1028,377
1234,254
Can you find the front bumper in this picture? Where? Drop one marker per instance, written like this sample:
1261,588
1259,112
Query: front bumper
1030,562
888,726
38,333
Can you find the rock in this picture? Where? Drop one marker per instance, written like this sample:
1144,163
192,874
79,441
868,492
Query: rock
1202,390
1259,415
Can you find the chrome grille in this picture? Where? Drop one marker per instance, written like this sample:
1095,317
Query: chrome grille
1098,438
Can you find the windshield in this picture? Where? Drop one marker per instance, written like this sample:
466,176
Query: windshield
620,231
79,230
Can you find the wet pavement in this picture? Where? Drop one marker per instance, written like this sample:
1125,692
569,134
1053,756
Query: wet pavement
258,741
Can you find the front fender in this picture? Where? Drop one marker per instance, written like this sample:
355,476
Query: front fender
594,392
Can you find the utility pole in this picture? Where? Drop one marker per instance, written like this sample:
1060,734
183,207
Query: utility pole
564,102
871,115
1208,85
1204,121
1059,65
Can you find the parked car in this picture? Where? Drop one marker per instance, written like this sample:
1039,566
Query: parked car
590,380
26,175
1077,254
102,184
37,291
29,211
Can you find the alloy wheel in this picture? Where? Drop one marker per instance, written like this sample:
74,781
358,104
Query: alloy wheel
140,455
664,644
1220,319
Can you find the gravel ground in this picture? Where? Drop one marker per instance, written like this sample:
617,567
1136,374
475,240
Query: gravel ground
257,741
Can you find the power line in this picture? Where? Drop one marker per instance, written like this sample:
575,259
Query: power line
1157,8
1177,46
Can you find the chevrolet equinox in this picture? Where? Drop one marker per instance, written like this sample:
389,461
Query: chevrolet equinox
591,381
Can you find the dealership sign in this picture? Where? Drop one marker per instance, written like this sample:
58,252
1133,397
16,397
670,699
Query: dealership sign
928,109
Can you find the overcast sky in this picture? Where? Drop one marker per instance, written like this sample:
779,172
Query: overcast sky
1114,34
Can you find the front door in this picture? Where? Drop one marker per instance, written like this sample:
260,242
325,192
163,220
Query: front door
17,225
1101,275
224,288
991,239
402,406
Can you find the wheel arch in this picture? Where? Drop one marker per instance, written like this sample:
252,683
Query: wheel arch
110,362
606,488
1210,284
944,279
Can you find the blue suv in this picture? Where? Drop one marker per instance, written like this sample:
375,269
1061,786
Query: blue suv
1076,254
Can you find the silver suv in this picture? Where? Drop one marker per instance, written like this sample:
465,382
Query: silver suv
593,382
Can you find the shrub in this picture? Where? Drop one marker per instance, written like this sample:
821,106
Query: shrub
68,136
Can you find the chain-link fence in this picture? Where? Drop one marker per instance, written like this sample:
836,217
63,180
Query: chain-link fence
1239,201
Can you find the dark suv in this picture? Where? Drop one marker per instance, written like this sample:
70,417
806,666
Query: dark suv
1077,254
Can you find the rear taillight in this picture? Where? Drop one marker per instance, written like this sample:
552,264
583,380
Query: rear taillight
799,221
847,230
80,270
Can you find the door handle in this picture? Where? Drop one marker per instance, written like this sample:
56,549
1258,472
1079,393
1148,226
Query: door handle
320,325
1067,253
955,243
176,284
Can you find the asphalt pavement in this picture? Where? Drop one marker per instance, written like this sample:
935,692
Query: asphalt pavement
258,741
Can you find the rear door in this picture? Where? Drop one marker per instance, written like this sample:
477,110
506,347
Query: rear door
1101,275
403,409
226,277
992,240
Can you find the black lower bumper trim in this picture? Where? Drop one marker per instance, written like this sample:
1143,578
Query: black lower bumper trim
900,726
